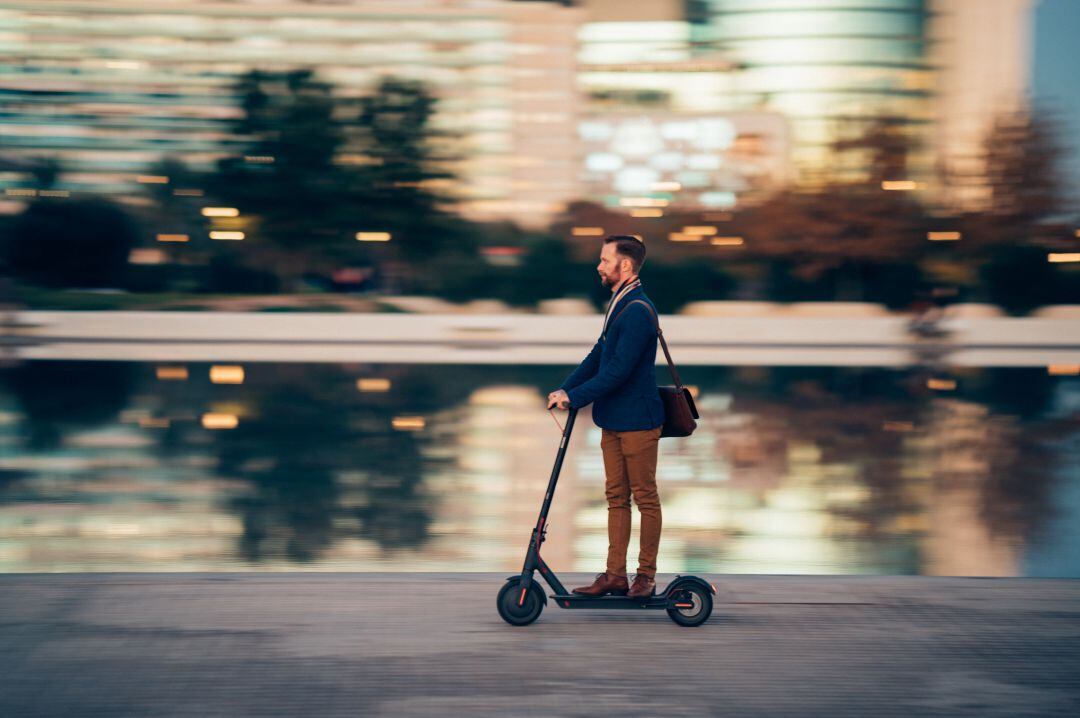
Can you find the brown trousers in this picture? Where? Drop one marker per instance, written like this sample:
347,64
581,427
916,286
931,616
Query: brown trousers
630,467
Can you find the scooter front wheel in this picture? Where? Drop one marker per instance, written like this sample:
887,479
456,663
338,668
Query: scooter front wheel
513,609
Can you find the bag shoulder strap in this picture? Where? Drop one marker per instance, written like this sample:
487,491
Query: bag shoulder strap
659,333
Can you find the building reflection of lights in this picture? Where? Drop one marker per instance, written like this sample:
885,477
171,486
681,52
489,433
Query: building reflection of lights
223,374
171,373
408,423
752,491
220,421
373,385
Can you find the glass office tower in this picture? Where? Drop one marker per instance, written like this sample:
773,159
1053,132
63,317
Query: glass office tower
833,68
658,127
111,87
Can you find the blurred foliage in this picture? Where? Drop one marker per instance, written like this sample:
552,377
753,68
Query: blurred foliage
81,242
311,169
60,397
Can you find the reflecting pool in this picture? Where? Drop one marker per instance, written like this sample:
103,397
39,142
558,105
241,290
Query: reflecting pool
130,466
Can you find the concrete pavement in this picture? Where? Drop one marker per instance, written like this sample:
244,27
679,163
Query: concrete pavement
314,644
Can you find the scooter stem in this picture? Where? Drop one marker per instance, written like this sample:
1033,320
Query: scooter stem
557,469
532,556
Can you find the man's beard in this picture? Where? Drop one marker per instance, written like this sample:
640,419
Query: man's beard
608,281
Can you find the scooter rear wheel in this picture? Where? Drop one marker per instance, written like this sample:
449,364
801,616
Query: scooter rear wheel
698,612
513,610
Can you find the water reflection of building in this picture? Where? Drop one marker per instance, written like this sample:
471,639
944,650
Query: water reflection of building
793,508
103,501
791,480
963,440
111,87
505,445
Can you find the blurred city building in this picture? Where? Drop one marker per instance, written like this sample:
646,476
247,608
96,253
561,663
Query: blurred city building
937,72
833,70
692,103
984,54
658,125
111,87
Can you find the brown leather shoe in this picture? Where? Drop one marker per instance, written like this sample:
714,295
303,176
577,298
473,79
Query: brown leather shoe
644,587
604,584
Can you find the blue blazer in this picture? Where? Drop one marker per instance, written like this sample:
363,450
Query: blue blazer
619,375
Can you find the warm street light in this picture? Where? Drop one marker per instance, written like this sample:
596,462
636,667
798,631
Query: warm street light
408,423
226,235
373,236
943,236
1062,257
220,212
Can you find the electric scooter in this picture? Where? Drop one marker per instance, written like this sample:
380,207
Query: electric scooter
687,599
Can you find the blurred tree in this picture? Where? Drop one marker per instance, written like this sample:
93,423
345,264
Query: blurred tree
840,241
872,153
844,231
1023,171
71,243
316,170
285,175
46,173
398,189
61,397
1026,215
1018,278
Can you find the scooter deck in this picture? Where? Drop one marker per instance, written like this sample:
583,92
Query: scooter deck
659,601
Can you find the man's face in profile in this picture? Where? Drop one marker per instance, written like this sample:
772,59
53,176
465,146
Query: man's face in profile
610,266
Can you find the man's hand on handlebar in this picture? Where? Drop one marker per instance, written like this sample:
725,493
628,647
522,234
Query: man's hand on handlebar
558,398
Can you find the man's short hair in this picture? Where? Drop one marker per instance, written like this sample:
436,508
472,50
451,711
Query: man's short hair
630,246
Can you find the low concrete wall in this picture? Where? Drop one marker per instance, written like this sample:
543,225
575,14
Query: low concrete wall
528,338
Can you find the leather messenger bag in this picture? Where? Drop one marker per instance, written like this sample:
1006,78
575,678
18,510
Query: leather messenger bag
680,412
